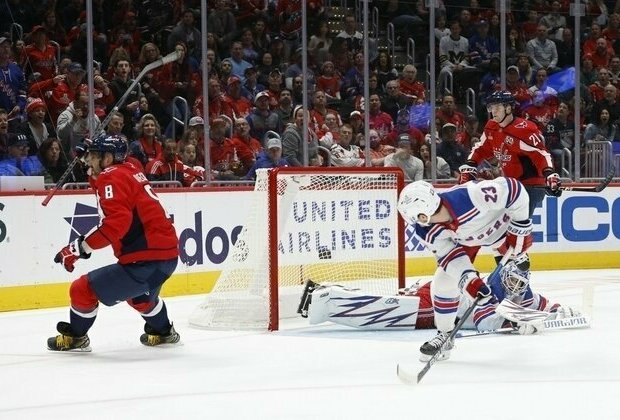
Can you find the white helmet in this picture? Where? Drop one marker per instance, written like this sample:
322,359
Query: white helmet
514,279
417,198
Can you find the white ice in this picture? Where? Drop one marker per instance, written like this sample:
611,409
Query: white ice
320,372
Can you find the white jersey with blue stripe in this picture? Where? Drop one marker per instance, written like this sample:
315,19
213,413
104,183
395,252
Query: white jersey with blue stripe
481,212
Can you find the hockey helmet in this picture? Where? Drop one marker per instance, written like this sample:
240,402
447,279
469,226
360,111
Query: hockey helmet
417,198
110,143
500,97
514,279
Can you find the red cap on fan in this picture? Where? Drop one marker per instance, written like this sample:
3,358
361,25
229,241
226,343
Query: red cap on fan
33,104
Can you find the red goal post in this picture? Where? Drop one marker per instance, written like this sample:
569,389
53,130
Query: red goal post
326,224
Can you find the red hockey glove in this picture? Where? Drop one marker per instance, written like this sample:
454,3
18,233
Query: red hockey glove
553,181
518,237
476,288
468,172
71,253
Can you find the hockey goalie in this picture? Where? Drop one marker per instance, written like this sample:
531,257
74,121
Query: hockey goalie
514,305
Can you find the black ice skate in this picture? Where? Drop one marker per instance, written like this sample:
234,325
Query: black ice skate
67,340
306,298
428,349
153,338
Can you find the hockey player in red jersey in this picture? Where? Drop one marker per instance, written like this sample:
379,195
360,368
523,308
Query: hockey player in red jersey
519,146
144,240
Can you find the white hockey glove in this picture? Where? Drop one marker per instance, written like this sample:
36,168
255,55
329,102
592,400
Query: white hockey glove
563,312
526,329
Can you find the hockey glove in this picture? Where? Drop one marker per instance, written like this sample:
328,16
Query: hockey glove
468,172
475,287
71,253
518,237
562,312
526,329
552,179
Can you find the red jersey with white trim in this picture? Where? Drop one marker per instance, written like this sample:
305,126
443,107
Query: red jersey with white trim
520,147
42,61
133,220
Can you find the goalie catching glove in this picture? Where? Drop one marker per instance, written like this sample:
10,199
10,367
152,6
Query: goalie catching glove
71,253
518,237
468,172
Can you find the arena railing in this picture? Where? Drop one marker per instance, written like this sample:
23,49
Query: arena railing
598,159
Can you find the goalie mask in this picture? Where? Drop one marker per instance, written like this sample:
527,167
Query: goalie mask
514,280
418,198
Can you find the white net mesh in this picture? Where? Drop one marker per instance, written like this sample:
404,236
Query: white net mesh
332,227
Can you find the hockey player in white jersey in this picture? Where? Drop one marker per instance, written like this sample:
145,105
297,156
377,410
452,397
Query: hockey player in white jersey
453,225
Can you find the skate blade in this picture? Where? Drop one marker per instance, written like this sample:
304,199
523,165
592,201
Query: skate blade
166,345
86,349
443,356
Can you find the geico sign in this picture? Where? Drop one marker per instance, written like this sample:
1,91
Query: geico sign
578,219
215,243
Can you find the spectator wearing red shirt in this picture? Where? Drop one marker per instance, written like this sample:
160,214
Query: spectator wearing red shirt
516,87
447,113
148,136
597,89
601,55
378,151
246,146
319,112
530,26
379,120
274,83
589,45
539,111
411,88
329,81
63,89
403,126
471,135
217,104
221,149
612,31
240,104
41,55
170,168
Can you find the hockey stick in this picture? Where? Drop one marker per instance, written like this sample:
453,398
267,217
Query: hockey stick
597,188
499,331
149,67
407,376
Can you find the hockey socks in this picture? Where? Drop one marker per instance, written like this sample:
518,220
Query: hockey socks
157,318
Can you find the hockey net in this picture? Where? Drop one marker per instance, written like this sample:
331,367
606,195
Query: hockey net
334,225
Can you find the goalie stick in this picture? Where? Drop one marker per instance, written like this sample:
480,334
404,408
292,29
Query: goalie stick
406,375
149,67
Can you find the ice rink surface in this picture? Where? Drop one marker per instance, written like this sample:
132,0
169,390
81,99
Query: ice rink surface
317,372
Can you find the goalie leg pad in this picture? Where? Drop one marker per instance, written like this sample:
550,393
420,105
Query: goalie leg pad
353,308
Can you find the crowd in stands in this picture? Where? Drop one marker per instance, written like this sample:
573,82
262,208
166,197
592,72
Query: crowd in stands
256,83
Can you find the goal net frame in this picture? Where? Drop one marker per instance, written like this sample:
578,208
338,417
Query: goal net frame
280,194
